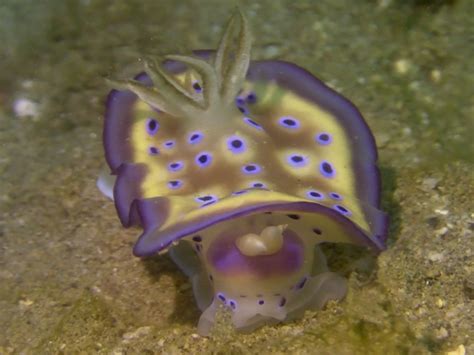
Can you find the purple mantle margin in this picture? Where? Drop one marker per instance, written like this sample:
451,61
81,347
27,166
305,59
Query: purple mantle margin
150,213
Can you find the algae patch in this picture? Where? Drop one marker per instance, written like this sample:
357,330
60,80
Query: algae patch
88,326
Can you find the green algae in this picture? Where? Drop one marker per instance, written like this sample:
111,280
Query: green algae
88,326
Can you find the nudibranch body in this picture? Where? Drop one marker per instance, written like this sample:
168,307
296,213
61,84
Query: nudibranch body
240,170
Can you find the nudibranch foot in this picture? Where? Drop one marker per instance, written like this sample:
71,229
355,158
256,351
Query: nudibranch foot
250,311
322,288
258,288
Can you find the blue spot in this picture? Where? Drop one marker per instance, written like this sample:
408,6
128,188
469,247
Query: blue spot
343,210
232,304
221,296
206,199
175,166
297,160
260,302
251,98
251,169
197,87
239,192
152,126
335,196
323,138
239,101
252,123
327,169
169,144
153,150
282,302
289,122
315,195
175,184
243,109
301,284
203,159
195,137
258,185
236,145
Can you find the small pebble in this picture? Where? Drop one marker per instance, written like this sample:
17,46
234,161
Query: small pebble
142,331
402,66
435,257
441,232
25,303
441,333
435,75
429,184
441,211
25,108
96,290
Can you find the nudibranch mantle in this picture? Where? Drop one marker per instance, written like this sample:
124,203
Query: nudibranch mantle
240,169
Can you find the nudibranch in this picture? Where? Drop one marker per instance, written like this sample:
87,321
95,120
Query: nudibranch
240,169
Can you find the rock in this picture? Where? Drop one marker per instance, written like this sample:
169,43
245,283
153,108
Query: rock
441,232
435,257
25,108
429,184
142,331
441,333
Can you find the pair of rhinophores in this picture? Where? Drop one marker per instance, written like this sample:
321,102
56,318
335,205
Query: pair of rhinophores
240,169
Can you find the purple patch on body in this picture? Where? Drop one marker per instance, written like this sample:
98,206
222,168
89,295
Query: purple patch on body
226,258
